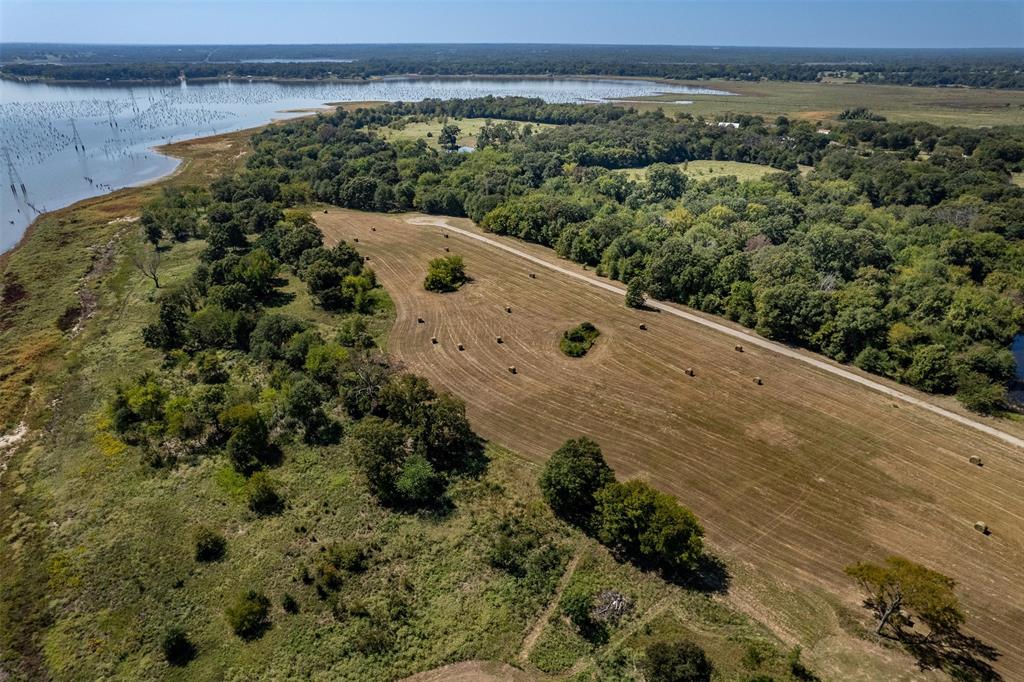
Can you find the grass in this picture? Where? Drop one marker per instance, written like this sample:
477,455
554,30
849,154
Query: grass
706,170
429,131
823,101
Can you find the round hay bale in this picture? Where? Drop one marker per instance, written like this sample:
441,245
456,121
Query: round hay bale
976,461
446,235
461,347
446,249
325,211
508,309
533,275
355,239
758,381
739,349
512,369
690,372
433,339
643,326
981,527
419,320
498,339
373,229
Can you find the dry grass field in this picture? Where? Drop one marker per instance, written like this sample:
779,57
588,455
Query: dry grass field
823,101
706,170
793,479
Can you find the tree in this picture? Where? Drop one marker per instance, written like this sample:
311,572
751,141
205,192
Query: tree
449,137
177,648
248,446
210,546
635,293
263,496
445,274
677,661
648,526
572,477
899,590
380,448
148,263
249,615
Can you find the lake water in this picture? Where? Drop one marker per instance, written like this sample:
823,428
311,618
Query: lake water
69,142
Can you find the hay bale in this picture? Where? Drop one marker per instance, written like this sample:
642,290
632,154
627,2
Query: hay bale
508,309
419,320
498,339
738,349
446,249
325,211
643,326
355,239
690,372
533,275
461,347
373,229
757,380
512,369
446,235
433,339
981,527
976,461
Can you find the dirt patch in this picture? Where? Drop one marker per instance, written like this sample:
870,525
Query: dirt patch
472,671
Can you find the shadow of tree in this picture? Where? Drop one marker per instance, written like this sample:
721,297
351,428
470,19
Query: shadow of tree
960,655
711,575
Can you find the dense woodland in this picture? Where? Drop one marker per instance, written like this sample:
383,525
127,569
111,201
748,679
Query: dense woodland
978,68
902,251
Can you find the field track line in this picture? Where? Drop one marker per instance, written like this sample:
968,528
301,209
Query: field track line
542,620
735,333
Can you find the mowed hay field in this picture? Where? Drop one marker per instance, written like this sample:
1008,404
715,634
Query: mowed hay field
824,101
793,479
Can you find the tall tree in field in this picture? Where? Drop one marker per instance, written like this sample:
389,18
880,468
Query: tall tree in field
571,478
899,590
449,137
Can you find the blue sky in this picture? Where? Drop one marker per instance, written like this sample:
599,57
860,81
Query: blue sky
806,23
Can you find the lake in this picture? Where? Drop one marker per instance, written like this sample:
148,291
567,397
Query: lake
63,143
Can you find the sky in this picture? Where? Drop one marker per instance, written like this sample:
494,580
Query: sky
801,23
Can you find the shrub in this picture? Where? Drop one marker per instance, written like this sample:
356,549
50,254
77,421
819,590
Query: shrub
210,546
353,333
248,447
577,341
571,477
263,496
272,332
678,661
249,615
980,394
445,274
177,648
209,368
289,604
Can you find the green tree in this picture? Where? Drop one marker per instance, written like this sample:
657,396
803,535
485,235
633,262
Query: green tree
449,137
635,293
572,477
248,447
648,526
249,616
445,274
676,661
899,590
177,647
210,546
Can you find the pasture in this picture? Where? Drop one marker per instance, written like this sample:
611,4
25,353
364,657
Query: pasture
430,130
706,170
823,101
793,479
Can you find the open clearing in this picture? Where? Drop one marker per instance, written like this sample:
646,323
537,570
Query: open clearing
429,131
793,479
823,101
706,170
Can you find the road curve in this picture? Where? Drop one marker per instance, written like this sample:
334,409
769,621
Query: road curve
747,338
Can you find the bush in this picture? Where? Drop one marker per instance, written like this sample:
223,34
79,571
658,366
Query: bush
980,394
210,546
248,446
577,341
289,604
571,477
678,661
249,615
177,648
445,274
209,368
263,496
272,332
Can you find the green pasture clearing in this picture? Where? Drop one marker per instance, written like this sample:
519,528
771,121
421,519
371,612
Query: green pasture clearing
706,170
429,131
824,101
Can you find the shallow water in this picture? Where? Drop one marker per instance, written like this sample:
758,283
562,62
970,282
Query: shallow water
70,142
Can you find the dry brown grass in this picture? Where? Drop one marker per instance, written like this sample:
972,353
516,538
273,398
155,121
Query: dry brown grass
793,479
